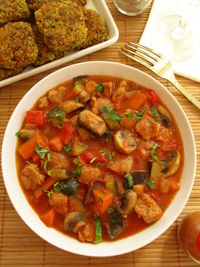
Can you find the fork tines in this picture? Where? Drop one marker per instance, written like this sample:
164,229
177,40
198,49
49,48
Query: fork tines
141,54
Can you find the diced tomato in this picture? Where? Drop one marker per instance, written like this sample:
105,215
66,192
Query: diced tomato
169,146
154,195
154,98
36,117
66,133
71,94
88,156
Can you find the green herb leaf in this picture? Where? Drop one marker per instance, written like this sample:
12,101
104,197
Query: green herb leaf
155,157
130,115
75,161
104,109
150,184
68,148
17,133
107,135
110,210
77,170
129,179
98,164
46,192
56,116
41,151
100,200
140,114
99,88
111,155
69,187
98,230
113,116
155,112
46,161
76,100
116,187
116,217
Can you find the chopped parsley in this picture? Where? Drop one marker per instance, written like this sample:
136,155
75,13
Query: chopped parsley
76,100
46,161
149,183
98,230
111,155
78,169
155,113
69,187
113,116
68,148
100,200
130,115
155,157
17,134
98,164
140,114
104,109
56,116
110,210
41,151
128,183
48,193
99,88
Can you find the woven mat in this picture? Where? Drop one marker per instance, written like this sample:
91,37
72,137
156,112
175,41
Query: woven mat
19,246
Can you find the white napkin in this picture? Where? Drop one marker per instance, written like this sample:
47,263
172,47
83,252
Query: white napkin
190,67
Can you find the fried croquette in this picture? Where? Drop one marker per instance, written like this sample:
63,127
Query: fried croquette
36,4
44,53
62,25
13,10
18,48
5,73
97,28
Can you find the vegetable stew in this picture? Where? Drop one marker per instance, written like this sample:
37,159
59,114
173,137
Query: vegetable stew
99,158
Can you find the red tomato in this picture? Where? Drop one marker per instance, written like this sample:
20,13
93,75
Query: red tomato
154,98
66,134
89,155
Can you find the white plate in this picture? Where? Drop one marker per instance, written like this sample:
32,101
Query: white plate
101,7
19,200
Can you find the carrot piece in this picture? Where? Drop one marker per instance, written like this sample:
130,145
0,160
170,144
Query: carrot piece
46,185
136,100
103,199
35,117
174,186
49,217
57,143
27,149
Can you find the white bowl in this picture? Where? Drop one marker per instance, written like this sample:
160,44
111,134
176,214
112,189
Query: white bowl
59,239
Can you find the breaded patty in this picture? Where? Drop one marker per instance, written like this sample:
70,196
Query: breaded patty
62,25
5,73
36,4
18,48
13,10
97,28
44,53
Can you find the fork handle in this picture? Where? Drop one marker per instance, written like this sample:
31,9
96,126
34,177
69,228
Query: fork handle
190,97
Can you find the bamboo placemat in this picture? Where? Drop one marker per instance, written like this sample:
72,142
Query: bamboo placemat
19,246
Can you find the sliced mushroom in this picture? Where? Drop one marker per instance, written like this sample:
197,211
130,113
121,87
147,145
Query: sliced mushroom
173,165
26,134
72,220
70,105
92,122
128,202
165,116
114,230
125,141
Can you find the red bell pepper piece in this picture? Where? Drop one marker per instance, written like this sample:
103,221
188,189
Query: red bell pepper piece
66,134
154,98
88,156
36,117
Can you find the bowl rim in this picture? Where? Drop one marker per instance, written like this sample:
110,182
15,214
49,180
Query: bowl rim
97,250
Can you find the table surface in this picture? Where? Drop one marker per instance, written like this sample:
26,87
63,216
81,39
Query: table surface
19,246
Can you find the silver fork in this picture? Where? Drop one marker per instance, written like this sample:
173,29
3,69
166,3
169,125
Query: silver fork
158,64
